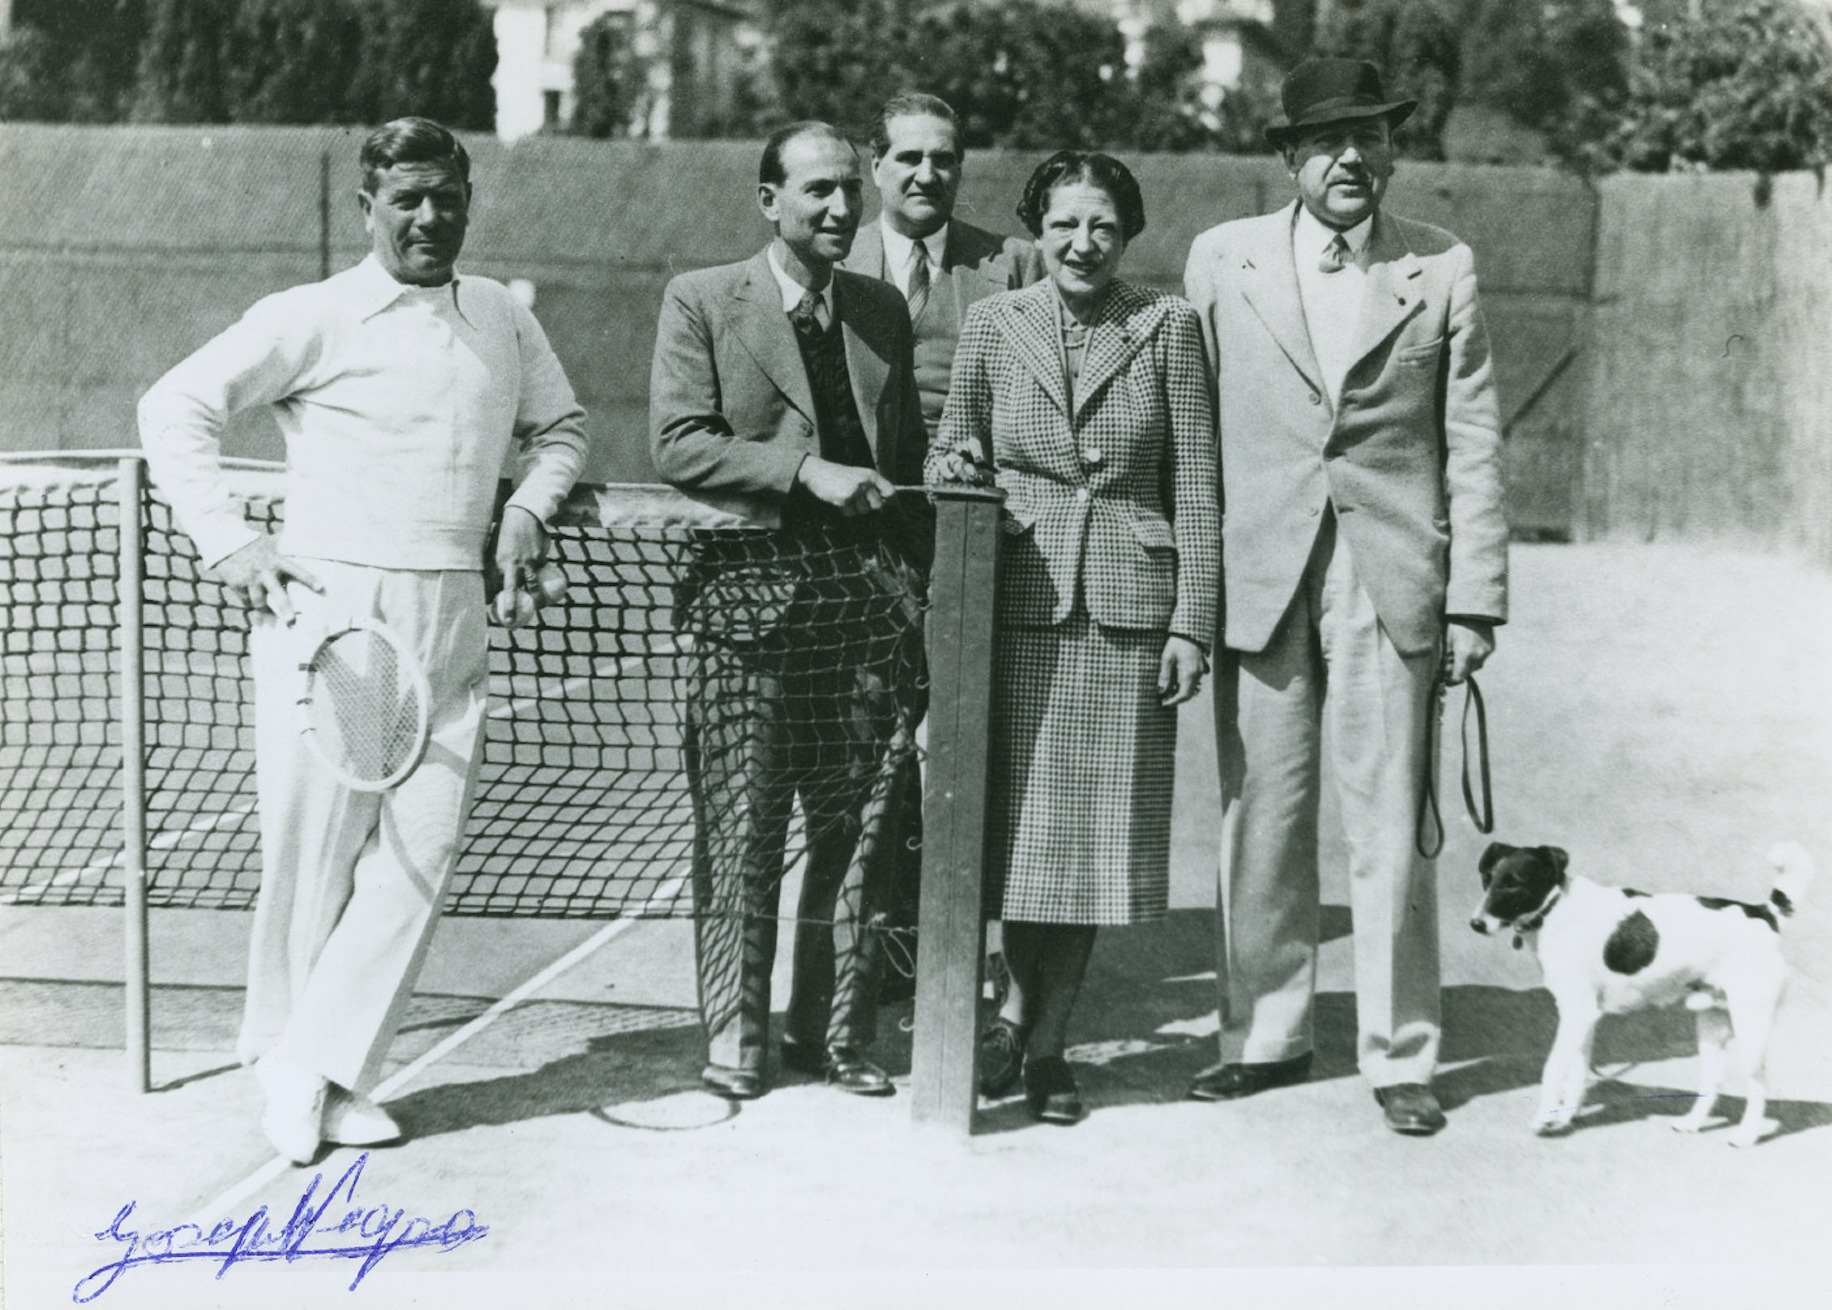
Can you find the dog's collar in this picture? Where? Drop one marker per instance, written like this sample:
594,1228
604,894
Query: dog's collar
1532,922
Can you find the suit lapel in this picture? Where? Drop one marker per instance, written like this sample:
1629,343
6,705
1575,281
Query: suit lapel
867,256
1392,294
766,332
1029,320
867,357
1118,334
1269,281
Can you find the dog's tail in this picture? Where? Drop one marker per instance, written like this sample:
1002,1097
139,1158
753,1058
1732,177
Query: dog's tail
1796,873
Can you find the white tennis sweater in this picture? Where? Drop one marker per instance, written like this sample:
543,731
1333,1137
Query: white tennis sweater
401,407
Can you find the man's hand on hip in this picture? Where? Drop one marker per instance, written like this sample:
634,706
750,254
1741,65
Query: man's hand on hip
521,543
257,575
1472,641
850,490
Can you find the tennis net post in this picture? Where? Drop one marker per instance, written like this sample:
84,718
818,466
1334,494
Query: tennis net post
952,921
130,601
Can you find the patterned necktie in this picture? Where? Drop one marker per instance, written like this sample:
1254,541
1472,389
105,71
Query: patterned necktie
1336,255
806,314
919,282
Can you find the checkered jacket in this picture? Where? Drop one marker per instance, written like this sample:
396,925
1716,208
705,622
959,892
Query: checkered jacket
1114,500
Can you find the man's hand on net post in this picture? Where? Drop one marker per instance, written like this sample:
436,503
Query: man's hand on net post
852,491
257,575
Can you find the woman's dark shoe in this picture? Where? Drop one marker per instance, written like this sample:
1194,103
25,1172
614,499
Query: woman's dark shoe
1050,1091
1001,1058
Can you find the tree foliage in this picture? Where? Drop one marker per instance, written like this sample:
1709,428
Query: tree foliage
428,57
71,60
261,61
294,61
1747,84
610,79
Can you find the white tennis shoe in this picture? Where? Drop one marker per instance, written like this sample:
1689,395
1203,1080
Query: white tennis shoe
294,1119
352,1119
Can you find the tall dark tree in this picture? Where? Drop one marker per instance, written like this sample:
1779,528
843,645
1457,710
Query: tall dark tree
610,79
71,60
183,59
1416,45
293,61
429,57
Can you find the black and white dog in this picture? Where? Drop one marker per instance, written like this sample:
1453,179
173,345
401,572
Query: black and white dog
1608,950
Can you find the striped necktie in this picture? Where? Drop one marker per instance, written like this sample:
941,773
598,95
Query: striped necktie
919,282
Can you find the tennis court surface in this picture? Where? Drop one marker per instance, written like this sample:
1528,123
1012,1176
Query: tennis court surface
1662,712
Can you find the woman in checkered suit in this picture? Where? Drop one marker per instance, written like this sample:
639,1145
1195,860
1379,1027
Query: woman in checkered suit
1087,399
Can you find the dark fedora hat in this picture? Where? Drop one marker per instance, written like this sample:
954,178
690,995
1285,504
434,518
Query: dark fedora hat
1322,91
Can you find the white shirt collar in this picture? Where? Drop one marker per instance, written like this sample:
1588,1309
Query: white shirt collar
793,291
375,289
1311,238
900,251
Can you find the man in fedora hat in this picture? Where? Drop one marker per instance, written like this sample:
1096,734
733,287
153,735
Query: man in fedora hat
1363,542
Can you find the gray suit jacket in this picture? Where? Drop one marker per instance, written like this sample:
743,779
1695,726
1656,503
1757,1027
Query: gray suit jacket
981,263
1411,460
731,415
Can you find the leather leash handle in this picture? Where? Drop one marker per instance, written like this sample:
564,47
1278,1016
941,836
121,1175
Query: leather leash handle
1429,828
1484,819
1429,845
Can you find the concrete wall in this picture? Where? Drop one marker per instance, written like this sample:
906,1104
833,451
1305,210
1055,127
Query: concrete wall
1708,400
123,249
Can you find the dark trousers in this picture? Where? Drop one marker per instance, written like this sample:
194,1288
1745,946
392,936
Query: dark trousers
810,694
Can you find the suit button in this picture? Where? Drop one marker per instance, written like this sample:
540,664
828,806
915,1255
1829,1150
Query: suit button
1091,456
1081,493
1316,398
1315,510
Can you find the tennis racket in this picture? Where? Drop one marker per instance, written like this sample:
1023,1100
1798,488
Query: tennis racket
514,608
363,711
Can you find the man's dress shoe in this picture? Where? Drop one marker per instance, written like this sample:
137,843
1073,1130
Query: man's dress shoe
1230,1082
1411,1109
732,1084
840,1066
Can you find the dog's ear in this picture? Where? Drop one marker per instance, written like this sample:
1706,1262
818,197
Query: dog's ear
1557,857
1496,852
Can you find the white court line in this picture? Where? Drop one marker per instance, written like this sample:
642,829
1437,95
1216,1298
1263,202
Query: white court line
163,842
218,1207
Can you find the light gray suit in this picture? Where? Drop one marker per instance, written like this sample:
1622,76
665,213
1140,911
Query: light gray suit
1349,533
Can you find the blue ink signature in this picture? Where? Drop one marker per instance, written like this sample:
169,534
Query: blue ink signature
368,1234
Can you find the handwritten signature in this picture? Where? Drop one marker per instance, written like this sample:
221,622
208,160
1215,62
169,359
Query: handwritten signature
365,1233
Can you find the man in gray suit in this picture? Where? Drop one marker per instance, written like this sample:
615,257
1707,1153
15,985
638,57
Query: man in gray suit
941,265
784,391
1363,541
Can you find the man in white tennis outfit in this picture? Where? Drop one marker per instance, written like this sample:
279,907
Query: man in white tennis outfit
403,391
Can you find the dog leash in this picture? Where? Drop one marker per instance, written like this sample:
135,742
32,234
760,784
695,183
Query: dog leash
1483,817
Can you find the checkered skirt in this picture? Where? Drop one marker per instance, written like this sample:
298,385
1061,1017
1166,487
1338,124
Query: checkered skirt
1083,761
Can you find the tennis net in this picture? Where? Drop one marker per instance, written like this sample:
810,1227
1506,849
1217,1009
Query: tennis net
583,808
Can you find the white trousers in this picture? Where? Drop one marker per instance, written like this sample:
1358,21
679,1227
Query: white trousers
1329,661
352,882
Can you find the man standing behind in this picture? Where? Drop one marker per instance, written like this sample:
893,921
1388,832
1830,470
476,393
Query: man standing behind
1363,541
941,265
783,390
403,391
